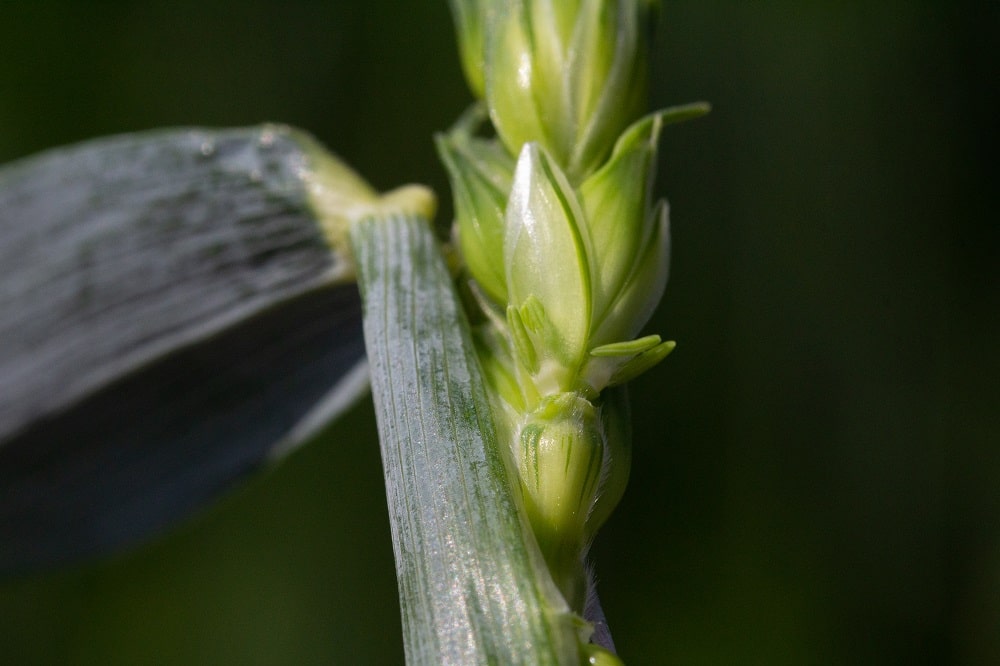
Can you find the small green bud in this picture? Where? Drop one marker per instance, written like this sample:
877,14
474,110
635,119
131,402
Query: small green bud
570,74
545,256
560,457
480,173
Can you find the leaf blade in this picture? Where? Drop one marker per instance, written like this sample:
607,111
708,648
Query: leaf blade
473,588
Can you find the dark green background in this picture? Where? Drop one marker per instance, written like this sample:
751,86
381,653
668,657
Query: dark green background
817,467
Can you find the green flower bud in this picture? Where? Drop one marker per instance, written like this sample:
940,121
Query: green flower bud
560,456
570,74
480,173
560,459
546,266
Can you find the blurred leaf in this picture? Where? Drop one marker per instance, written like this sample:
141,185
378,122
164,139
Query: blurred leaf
172,316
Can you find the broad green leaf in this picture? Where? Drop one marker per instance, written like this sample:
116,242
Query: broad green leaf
473,586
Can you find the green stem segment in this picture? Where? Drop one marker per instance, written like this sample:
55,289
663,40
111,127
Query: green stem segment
474,588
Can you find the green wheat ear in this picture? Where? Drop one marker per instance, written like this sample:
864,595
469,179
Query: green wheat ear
505,441
557,226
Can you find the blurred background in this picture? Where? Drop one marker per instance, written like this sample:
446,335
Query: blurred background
817,467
